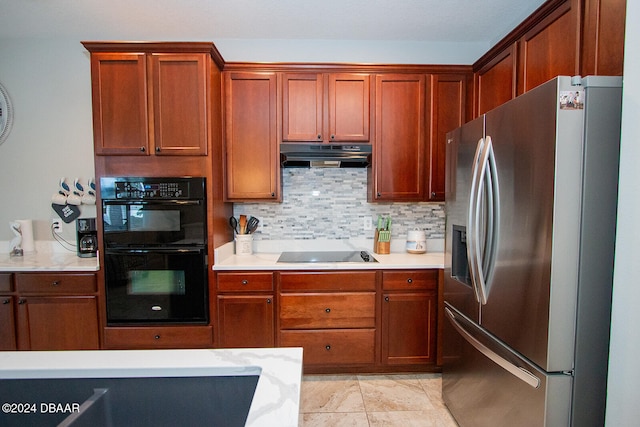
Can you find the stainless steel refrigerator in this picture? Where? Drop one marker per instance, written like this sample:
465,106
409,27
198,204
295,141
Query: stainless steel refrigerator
531,193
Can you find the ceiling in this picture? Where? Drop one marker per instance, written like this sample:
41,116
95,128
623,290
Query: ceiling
460,22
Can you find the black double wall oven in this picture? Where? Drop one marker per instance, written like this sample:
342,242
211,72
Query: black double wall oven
155,243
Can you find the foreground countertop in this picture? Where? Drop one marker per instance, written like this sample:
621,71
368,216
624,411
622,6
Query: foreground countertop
47,257
276,400
266,255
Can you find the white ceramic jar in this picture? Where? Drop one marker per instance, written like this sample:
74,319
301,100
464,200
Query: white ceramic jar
416,241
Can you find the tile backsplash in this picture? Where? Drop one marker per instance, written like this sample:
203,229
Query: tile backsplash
331,203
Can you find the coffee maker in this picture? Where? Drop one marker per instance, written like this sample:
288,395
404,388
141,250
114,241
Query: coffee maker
87,237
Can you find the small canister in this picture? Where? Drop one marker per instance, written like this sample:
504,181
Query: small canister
416,241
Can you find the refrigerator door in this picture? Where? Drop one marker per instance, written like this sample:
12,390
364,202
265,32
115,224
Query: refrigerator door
461,148
484,384
538,156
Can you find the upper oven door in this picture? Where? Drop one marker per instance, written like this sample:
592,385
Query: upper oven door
154,223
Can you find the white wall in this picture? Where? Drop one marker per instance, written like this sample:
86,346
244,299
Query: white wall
623,391
49,84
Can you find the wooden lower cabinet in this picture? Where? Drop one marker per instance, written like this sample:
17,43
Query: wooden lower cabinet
332,346
155,337
7,324
56,311
246,321
409,317
245,310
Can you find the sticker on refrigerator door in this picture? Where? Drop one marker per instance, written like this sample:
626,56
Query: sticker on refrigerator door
571,100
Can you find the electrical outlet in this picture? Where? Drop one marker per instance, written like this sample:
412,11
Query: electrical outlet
368,223
56,225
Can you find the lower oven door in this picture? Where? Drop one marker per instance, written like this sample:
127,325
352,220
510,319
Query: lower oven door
156,286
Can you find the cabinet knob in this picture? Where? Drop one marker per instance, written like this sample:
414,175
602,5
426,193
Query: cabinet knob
22,301
409,280
328,310
6,301
245,282
433,194
158,149
273,194
142,149
327,347
55,283
268,300
386,299
333,137
378,194
319,136
157,337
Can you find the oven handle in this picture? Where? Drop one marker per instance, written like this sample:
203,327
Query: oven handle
171,202
155,251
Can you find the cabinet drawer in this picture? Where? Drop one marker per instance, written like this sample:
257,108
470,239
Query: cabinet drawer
34,283
158,337
409,280
343,310
240,282
5,282
329,347
352,281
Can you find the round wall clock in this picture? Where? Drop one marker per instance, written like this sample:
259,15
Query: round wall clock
6,114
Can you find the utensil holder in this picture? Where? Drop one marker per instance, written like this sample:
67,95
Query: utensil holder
380,247
244,244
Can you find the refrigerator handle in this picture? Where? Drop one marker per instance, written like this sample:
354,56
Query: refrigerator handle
472,230
482,254
521,373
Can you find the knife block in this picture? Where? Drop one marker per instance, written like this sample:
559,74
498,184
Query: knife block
380,247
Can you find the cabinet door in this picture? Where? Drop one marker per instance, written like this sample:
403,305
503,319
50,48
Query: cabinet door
603,37
7,324
246,321
448,103
496,82
349,107
302,107
400,140
119,97
179,100
551,48
409,328
252,163
58,323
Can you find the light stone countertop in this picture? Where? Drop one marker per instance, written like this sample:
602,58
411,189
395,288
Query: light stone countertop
48,256
276,401
266,253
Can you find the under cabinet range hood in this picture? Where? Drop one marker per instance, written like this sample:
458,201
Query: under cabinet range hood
325,155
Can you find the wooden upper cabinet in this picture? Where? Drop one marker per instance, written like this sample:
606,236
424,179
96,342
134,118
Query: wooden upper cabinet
147,103
496,81
400,138
551,47
179,100
603,37
251,136
325,107
448,106
119,91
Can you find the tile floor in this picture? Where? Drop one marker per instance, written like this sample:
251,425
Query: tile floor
411,400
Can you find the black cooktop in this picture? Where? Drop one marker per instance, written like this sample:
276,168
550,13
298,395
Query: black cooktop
328,256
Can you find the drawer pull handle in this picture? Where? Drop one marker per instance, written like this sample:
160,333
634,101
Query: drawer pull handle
409,280
55,283
245,282
327,347
157,337
328,310
6,301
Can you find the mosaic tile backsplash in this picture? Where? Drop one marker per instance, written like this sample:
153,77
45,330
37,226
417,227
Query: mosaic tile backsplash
331,203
